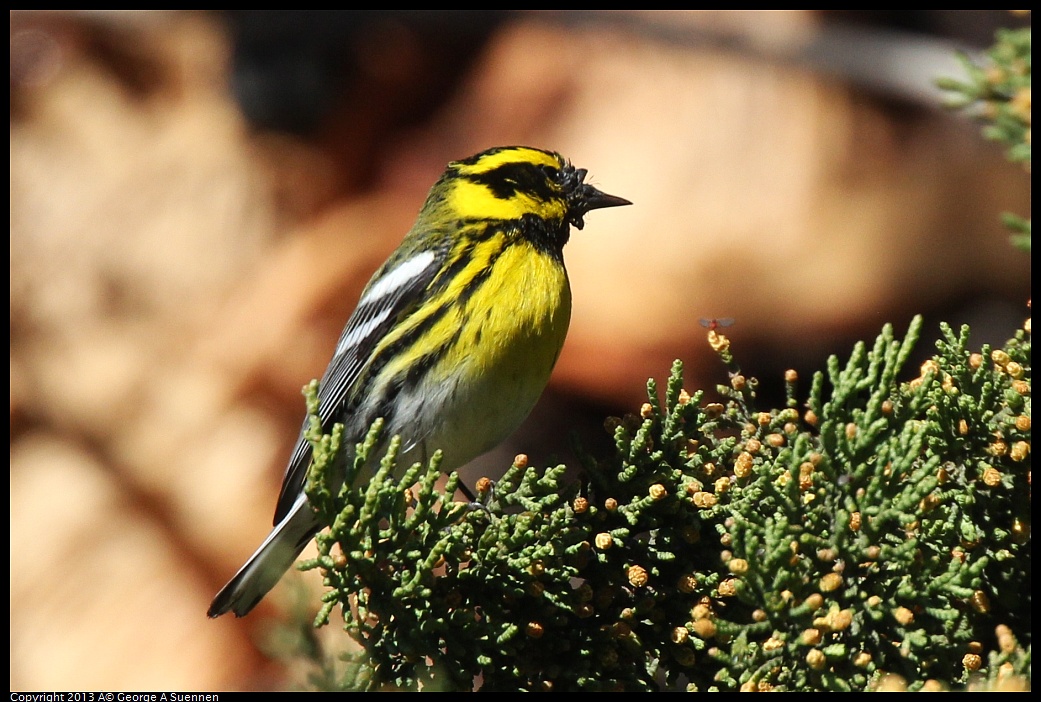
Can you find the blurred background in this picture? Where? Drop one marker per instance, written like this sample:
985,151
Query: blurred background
197,200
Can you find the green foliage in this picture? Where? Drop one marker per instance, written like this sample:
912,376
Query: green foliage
999,91
883,530
881,533
998,94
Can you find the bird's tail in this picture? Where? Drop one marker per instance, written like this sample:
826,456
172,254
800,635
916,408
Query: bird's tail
270,562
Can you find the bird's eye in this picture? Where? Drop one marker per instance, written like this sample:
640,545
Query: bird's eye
550,172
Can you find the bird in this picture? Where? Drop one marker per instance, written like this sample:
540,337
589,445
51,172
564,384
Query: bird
453,338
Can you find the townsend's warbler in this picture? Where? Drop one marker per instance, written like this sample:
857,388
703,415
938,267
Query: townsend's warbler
454,337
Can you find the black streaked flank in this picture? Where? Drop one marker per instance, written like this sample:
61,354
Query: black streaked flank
421,367
405,341
387,406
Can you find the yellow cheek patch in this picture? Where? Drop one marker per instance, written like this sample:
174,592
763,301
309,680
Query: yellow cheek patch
469,200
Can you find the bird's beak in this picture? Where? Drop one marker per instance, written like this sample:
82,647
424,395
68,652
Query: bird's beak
594,199
590,198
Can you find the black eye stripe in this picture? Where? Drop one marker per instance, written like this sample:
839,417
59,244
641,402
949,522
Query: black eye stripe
509,179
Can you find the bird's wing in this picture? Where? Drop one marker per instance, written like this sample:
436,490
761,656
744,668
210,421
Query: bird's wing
388,297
